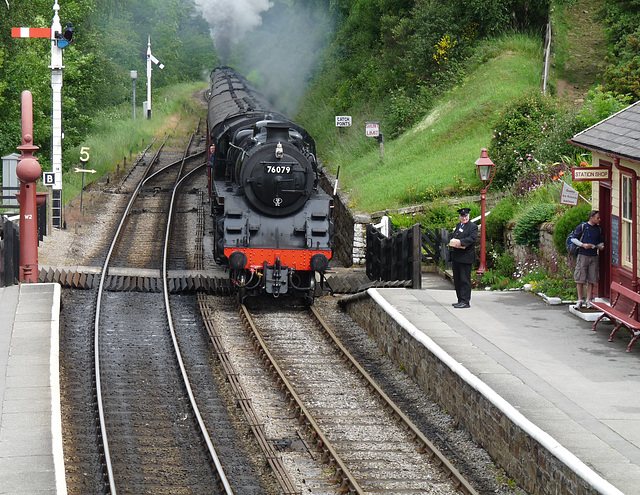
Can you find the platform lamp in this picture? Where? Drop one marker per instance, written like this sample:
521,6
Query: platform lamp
486,171
134,76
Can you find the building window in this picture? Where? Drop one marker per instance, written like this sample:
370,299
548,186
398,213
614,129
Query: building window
626,244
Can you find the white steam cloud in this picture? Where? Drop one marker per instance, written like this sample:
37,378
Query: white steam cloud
272,43
231,20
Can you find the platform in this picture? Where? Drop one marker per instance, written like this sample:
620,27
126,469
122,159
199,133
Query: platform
568,384
31,458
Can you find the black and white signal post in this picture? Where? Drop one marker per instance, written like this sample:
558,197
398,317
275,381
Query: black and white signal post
59,40
150,58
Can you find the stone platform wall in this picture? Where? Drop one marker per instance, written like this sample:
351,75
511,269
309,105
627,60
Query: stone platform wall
523,457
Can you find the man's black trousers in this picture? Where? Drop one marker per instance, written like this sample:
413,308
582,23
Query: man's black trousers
462,281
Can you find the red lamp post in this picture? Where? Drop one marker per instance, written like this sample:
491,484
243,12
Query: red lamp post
486,171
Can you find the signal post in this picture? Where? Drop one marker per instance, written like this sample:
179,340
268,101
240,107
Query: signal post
59,40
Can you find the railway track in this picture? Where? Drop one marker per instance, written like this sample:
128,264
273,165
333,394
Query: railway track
327,392
141,386
153,435
332,411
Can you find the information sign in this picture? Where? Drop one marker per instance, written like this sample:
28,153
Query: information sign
49,178
372,129
343,120
590,173
569,195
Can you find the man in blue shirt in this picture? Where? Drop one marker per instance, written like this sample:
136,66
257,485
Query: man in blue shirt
589,237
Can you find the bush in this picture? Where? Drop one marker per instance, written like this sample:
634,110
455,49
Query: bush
498,220
526,232
567,224
520,128
434,216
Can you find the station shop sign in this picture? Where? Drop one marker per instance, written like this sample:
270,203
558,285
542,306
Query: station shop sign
590,173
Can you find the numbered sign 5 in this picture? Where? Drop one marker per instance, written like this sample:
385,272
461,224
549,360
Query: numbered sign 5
84,154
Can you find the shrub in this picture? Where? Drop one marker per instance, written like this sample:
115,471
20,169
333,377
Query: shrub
535,175
526,231
519,129
567,224
505,265
499,218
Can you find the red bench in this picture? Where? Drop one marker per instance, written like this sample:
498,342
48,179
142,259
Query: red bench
629,319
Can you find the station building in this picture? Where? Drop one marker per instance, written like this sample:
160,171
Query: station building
615,146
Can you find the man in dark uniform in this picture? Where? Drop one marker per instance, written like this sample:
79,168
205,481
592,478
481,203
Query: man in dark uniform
463,255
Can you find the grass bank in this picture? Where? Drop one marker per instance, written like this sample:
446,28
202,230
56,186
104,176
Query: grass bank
441,150
116,135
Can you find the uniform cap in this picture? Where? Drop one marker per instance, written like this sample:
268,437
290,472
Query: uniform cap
464,211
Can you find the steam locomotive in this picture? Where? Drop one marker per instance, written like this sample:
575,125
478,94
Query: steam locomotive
273,223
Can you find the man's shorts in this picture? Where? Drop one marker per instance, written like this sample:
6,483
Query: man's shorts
587,269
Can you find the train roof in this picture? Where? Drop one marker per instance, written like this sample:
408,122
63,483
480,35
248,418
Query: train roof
236,103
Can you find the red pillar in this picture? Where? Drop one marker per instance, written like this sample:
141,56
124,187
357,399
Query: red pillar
28,172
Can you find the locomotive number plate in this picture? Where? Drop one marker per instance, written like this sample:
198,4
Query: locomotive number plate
278,169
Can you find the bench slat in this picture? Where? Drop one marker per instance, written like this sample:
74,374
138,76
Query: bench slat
625,292
618,316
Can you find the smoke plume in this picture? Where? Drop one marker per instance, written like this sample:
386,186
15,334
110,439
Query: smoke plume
231,20
275,43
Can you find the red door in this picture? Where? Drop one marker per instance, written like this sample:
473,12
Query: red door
605,224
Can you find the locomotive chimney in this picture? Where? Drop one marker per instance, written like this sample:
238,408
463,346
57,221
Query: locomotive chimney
277,131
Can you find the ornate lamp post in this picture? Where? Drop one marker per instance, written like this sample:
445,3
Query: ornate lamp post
486,171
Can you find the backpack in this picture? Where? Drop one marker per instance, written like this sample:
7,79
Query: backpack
572,248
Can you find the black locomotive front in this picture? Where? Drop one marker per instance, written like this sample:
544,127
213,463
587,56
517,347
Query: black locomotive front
274,229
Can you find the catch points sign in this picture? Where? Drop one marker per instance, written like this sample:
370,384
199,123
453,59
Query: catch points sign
372,129
343,120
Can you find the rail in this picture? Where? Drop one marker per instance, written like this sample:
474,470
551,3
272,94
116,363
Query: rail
101,415
103,428
196,410
426,446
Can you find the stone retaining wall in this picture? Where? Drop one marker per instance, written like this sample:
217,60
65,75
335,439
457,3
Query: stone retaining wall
525,459
545,250
350,229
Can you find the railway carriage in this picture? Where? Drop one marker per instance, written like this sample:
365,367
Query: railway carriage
273,223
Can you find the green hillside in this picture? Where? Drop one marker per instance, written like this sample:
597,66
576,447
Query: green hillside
452,116
440,150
